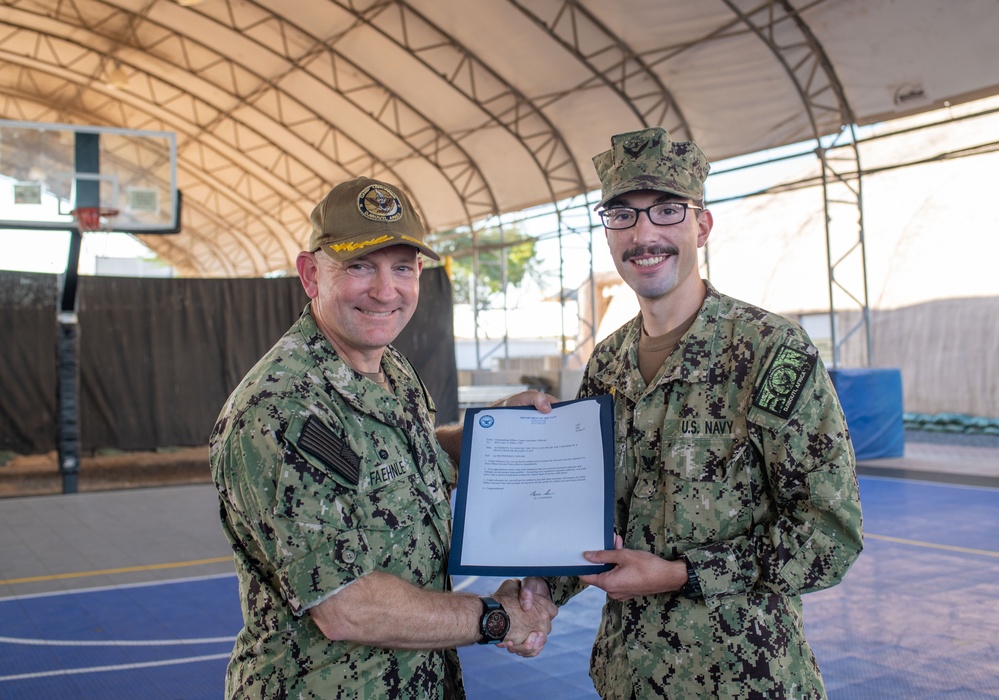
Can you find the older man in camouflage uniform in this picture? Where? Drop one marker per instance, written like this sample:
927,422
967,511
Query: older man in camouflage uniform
334,491
736,488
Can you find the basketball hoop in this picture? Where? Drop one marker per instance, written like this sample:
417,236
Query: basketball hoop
90,219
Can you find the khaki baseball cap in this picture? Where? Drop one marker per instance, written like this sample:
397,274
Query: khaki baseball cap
650,160
363,215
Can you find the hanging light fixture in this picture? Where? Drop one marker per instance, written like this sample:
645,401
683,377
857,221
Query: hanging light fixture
117,77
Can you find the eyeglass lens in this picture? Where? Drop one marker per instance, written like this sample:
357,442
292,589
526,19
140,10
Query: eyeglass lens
663,214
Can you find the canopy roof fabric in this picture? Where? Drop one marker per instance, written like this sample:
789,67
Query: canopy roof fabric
477,107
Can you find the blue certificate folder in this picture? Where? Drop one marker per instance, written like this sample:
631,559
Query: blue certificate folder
535,490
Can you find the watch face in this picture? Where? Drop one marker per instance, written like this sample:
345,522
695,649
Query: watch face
496,624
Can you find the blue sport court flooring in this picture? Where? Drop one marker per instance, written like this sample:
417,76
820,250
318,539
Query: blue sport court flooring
130,594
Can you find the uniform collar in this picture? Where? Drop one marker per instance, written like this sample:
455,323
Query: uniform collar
361,394
690,362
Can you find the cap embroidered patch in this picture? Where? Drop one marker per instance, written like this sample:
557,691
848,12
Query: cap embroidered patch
636,144
379,203
784,381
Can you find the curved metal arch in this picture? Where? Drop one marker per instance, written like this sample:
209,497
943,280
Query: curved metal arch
506,106
567,28
810,71
223,114
514,112
465,170
86,83
81,117
243,238
620,71
158,244
69,116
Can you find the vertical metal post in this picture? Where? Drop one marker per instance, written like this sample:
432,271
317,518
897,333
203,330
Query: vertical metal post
505,252
68,387
87,157
474,284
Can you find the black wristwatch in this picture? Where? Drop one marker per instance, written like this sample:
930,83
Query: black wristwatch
494,623
692,588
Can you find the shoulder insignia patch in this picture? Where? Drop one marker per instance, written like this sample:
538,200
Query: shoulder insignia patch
321,442
784,380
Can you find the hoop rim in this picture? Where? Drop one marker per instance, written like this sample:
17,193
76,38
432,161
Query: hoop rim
90,219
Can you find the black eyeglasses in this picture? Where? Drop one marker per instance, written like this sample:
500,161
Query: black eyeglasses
664,214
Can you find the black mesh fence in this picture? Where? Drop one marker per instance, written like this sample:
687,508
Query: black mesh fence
158,357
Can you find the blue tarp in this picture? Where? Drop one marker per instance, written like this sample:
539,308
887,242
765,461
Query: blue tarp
872,402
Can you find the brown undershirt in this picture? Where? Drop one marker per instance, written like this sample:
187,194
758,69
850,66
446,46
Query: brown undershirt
378,378
653,350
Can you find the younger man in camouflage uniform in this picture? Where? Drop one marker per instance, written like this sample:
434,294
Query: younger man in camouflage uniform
334,491
736,488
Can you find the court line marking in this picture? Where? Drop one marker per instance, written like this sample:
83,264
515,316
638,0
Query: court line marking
214,657
116,587
113,642
931,545
219,560
121,570
117,667
930,482
465,583
461,586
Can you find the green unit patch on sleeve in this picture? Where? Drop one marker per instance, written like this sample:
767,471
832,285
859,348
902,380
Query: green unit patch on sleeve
784,381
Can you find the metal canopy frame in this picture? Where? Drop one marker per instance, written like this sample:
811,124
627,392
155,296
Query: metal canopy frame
273,102
779,26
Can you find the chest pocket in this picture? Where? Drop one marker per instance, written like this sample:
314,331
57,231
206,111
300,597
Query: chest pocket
707,488
401,531
310,494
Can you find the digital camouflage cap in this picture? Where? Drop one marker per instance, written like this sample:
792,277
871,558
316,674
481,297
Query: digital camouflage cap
650,160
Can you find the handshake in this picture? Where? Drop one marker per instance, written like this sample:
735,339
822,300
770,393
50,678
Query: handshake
530,610
634,574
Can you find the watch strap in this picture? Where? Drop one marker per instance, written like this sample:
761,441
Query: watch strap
490,609
692,588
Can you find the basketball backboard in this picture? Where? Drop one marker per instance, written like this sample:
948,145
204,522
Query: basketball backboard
48,170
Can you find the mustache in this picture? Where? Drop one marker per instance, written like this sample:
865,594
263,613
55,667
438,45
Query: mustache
651,250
